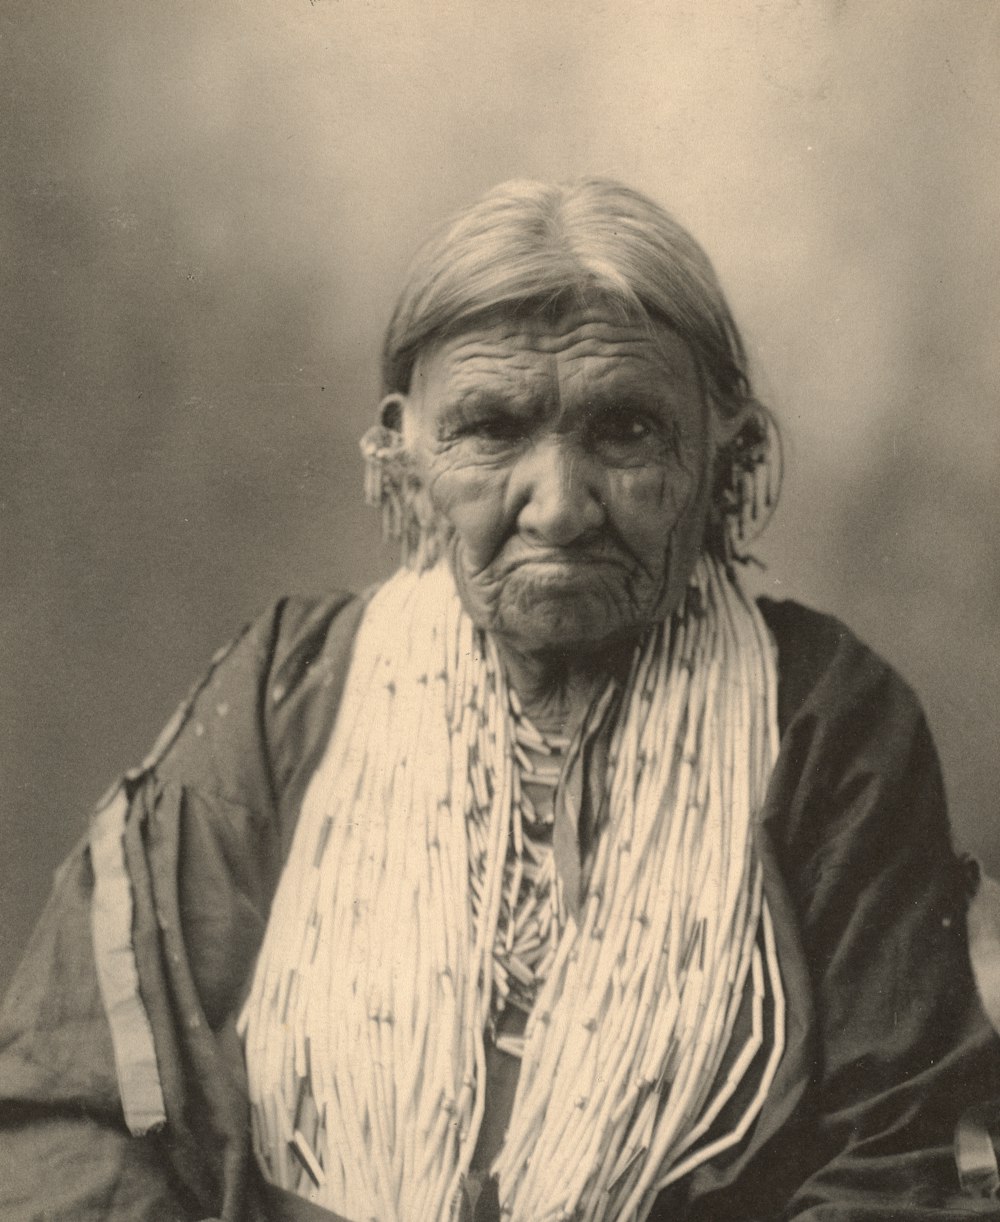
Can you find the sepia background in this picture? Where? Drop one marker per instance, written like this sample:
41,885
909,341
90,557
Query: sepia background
206,209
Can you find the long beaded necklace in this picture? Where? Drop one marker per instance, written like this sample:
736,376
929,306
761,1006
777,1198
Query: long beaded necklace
402,908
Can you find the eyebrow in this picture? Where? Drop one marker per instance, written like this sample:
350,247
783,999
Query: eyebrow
625,396
481,401
476,401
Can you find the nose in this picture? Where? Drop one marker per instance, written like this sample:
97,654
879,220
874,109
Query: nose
558,489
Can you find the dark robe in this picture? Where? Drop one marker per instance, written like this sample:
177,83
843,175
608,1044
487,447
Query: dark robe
886,1040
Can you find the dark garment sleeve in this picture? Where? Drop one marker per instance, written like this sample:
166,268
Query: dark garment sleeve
143,1115
65,1152
902,1044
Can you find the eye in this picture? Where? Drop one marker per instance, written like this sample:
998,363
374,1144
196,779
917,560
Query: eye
628,427
623,427
491,428
498,427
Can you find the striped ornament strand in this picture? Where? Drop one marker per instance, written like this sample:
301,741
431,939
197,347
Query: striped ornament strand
364,1028
608,1109
375,1014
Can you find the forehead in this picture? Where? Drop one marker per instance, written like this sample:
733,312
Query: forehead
583,349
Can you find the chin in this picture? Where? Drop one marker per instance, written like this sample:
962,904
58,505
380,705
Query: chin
564,623
561,607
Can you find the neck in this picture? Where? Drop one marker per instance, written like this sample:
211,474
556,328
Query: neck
556,687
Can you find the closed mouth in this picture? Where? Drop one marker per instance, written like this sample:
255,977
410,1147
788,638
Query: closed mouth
563,562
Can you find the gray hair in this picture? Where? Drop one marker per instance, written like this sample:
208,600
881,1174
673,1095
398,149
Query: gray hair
530,246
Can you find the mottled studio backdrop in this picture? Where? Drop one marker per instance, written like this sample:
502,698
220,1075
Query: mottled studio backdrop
206,207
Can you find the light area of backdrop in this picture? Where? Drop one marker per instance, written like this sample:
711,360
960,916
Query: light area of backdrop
207,208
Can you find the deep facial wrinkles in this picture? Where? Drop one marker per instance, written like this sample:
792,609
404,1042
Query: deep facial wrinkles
621,414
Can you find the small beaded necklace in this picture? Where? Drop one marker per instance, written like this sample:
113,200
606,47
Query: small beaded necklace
532,909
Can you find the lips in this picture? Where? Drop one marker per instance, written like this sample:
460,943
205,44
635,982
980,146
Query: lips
517,552
561,564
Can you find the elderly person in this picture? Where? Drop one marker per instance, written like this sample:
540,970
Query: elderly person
556,878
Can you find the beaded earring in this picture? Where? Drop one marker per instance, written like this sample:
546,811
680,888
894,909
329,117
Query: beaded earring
747,480
392,485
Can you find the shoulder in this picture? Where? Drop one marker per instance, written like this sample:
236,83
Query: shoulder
303,689
825,670
857,773
278,678
311,637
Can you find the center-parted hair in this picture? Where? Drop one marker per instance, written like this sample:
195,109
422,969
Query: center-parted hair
529,247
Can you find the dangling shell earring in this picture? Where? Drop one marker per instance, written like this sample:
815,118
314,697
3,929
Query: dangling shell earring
747,481
392,485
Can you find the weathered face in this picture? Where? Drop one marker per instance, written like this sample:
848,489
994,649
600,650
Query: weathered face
570,459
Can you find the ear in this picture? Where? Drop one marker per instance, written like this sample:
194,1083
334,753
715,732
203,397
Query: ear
396,412
725,429
391,410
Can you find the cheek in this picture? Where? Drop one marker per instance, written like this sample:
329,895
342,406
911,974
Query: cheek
646,505
471,499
